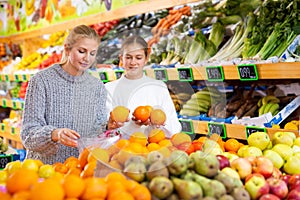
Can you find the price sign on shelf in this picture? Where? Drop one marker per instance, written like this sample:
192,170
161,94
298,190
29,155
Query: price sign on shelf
17,78
4,104
247,72
118,73
253,129
103,76
6,78
215,73
4,159
161,74
185,74
24,76
217,128
187,126
2,127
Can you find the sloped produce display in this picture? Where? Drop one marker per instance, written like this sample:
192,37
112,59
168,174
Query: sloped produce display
200,163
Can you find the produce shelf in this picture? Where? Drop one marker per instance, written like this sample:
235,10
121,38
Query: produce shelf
234,130
11,135
126,11
9,103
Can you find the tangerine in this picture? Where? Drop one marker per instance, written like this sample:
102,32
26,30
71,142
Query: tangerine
138,137
94,188
49,189
140,192
115,177
22,179
120,195
121,143
83,156
88,170
141,113
156,135
232,144
165,143
73,186
60,167
153,147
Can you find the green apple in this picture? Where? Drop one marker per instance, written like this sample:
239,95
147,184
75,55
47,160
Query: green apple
241,150
296,149
257,186
270,145
283,150
292,165
297,141
30,164
281,137
276,159
252,151
259,139
46,171
230,156
231,172
292,134
3,176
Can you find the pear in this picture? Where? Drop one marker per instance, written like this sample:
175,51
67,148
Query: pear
187,189
136,171
227,181
173,197
209,198
135,159
240,193
178,162
161,187
206,164
154,156
157,169
226,197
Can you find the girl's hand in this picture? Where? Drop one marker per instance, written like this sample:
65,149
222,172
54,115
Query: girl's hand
112,124
141,123
66,137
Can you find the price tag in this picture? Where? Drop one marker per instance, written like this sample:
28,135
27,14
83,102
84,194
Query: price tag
119,73
22,104
253,129
6,77
17,78
14,104
13,130
2,127
4,159
4,105
215,73
24,76
217,128
0,77
187,126
185,74
161,74
103,76
247,72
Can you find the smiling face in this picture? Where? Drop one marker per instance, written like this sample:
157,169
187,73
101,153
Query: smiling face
134,60
80,56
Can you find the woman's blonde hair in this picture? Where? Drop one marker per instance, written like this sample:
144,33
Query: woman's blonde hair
78,32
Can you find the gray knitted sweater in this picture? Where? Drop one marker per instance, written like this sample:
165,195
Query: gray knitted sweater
55,99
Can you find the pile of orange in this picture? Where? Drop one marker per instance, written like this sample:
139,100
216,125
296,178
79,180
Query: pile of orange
232,145
72,187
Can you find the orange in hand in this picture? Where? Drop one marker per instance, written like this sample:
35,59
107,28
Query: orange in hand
142,113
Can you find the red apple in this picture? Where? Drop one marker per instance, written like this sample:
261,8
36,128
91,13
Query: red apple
263,165
224,161
269,197
286,178
294,181
242,166
257,186
276,173
278,187
253,174
293,195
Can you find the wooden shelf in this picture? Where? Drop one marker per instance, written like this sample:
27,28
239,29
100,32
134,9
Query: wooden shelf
9,103
234,130
126,11
11,136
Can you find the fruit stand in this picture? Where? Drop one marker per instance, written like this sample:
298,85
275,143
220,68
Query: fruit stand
239,115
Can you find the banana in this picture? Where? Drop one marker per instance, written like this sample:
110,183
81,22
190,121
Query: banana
267,108
198,108
270,98
274,107
259,103
183,96
261,109
201,94
189,112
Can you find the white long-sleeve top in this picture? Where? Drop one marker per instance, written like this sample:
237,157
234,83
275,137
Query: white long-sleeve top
141,92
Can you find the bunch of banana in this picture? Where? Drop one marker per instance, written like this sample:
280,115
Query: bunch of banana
269,103
201,101
179,99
